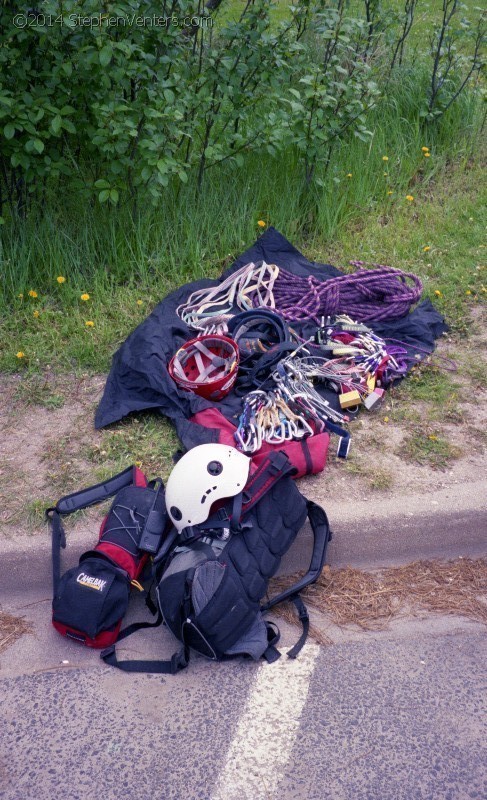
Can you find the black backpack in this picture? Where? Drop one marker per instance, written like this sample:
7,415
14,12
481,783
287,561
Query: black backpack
211,580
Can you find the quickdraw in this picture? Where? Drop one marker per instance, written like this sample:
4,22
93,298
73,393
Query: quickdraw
292,410
357,360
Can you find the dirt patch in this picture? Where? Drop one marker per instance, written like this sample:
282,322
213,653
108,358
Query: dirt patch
49,447
40,443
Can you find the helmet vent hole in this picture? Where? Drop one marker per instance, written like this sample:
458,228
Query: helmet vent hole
176,513
215,468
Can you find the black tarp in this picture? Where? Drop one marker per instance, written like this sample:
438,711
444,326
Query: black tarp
139,381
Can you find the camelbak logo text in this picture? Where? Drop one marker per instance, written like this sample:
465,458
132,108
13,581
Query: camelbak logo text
92,583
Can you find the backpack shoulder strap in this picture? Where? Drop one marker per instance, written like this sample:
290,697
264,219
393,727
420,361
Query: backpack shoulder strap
96,493
272,469
275,466
83,499
321,536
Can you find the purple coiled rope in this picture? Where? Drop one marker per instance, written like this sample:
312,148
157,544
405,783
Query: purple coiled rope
366,295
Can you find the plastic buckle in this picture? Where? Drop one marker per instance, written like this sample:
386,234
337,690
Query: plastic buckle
222,515
108,651
279,461
187,534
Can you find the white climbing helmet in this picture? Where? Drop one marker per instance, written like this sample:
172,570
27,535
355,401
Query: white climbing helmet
204,474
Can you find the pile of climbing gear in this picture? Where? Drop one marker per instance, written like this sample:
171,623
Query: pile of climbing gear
268,363
280,373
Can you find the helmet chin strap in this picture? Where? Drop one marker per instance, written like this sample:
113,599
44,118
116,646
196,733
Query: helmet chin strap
216,521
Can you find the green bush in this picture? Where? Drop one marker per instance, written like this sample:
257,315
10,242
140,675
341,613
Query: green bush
115,105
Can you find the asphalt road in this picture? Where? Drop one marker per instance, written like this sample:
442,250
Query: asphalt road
399,716
395,716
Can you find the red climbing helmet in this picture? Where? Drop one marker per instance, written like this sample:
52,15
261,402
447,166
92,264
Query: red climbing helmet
207,366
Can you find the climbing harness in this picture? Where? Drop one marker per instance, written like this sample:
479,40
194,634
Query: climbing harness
263,339
257,331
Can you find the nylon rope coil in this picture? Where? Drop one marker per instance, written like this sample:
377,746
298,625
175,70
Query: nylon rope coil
367,295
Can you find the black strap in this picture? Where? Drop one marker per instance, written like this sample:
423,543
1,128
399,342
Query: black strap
170,667
58,540
303,616
272,469
273,635
321,536
179,661
94,494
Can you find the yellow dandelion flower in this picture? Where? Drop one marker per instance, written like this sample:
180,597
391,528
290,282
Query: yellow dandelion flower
89,323
139,302
61,279
261,223
36,314
433,438
426,249
20,296
427,154
32,293
437,293
20,354
468,291
386,419
386,174
385,158
349,175
409,198
425,149
138,464
390,191
85,296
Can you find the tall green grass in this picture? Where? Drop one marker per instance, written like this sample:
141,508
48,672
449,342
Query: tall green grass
190,235
127,262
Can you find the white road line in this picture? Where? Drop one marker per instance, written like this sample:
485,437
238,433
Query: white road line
267,729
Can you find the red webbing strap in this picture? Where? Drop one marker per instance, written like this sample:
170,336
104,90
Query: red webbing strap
275,466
